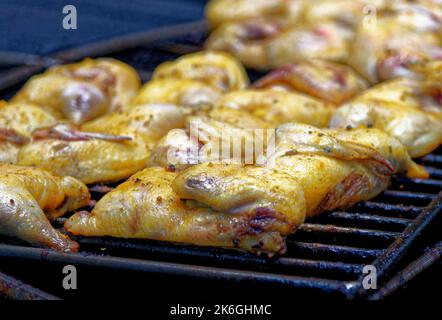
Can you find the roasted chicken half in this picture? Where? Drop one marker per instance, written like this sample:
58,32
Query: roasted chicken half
219,70
110,148
181,92
329,81
146,206
265,44
28,197
82,91
408,110
251,207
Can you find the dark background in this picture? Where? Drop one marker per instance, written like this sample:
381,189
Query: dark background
35,26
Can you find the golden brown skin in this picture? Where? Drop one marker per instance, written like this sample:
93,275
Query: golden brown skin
251,207
146,206
181,92
28,197
390,50
215,130
403,108
277,107
265,44
338,168
98,160
335,169
17,122
219,70
222,11
82,91
331,82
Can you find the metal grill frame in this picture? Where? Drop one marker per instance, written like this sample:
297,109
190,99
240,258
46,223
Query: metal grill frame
414,221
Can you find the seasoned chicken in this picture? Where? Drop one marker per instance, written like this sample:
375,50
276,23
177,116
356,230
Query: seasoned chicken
91,155
146,206
335,169
217,69
264,44
28,197
181,92
277,107
221,11
17,122
332,82
82,91
403,108
390,49
251,207
211,137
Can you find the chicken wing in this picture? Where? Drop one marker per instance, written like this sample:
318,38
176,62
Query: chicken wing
217,69
403,108
331,82
97,159
28,197
146,206
17,122
82,91
211,136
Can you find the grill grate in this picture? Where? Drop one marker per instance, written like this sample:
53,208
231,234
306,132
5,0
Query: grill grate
327,254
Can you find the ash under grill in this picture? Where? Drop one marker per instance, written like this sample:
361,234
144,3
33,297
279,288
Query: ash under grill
325,256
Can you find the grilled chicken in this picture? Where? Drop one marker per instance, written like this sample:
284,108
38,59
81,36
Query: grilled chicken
408,110
264,44
211,137
338,168
217,69
277,107
181,92
17,122
82,91
390,49
28,197
332,82
251,207
90,155
222,11
146,206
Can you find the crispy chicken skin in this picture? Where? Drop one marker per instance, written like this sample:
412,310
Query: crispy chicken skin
17,122
331,82
97,160
391,50
336,169
221,11
218,129
146,206
28,197
276,107
406,109
181,92
82,91
251,207
219,70
265,44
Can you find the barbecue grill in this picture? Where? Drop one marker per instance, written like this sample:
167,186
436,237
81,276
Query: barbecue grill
326,256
